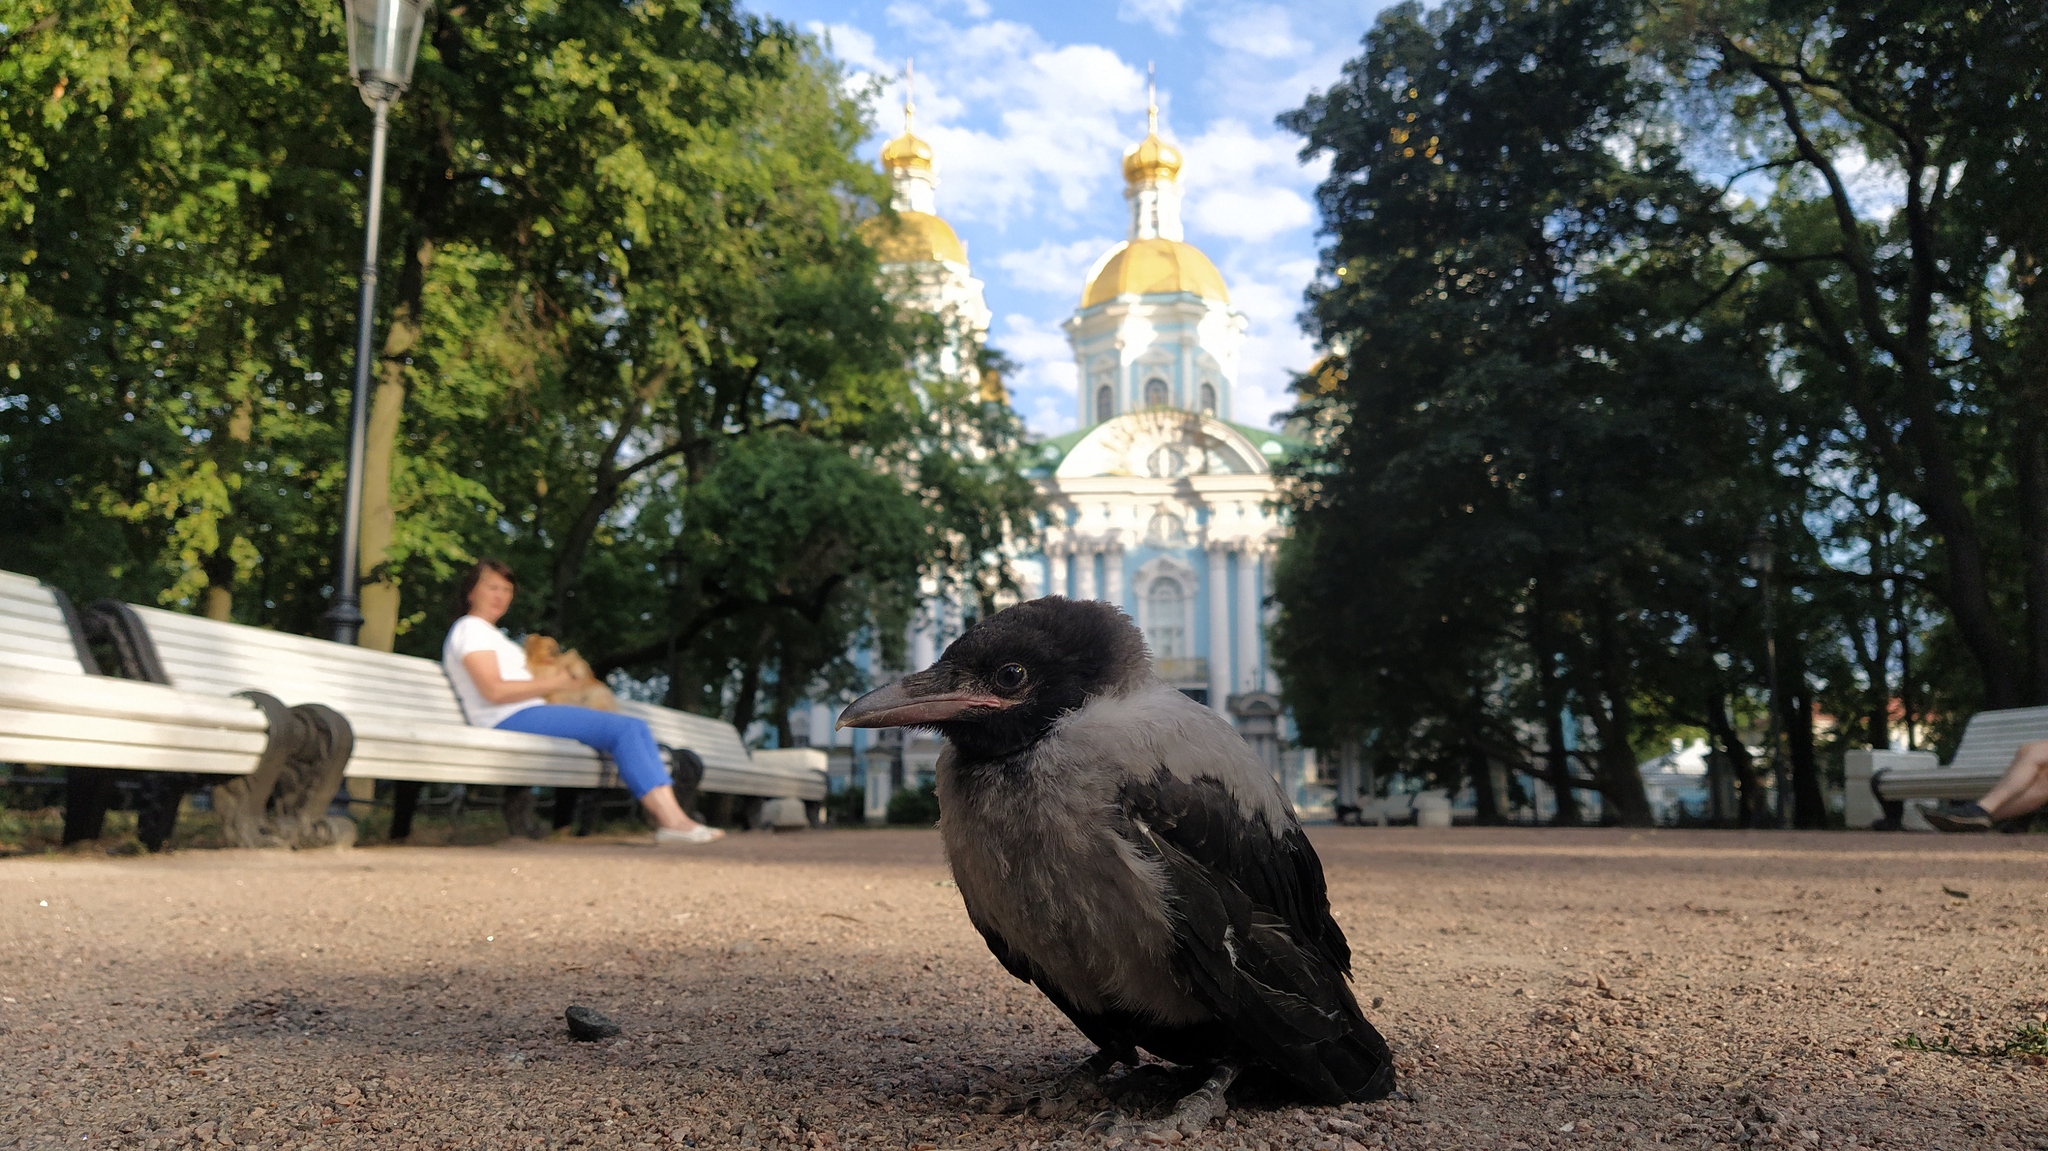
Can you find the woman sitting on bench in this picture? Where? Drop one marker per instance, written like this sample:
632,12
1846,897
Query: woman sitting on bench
497,690
2022,789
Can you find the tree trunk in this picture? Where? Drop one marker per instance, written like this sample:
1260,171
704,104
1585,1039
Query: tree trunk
1550,686
380,597
2030,451
1621,777
1749,789
1486,794
1877,665
1809,802
749,693
607,485
785,702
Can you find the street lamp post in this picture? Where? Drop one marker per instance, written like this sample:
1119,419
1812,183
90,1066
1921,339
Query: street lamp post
383,41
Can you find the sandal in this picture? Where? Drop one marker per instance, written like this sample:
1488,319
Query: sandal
1960,817
668,837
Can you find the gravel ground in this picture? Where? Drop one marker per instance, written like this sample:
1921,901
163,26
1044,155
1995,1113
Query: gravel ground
1541,989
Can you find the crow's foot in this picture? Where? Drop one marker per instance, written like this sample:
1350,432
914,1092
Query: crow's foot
1079,1087
1190,1116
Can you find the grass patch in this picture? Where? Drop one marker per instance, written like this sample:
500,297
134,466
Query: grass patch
40,831
2027,1043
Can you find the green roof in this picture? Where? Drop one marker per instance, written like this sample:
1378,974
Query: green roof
1053,449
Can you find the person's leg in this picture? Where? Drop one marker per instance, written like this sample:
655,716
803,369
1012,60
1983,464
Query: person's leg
2024,787
626,739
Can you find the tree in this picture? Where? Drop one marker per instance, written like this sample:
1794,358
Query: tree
1909,303
623,243
1529,394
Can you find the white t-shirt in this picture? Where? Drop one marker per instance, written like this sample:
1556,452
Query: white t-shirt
471,634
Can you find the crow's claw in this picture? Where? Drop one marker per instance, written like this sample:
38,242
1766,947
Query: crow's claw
1190,1116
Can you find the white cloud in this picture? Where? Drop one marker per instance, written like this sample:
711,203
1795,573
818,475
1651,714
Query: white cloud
1161,14
1052,266
1246,185
1029,132
851,45
1049,121
1046,381
1264,31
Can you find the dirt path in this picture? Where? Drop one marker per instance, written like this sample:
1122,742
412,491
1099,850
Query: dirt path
1542,989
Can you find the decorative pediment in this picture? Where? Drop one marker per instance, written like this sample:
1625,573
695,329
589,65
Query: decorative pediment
1163,444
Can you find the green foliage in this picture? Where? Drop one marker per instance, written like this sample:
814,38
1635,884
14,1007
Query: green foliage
626,309
1576,380
847,807
915,805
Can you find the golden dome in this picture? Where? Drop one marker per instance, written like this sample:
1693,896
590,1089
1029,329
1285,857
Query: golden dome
907,152
917,238
1151,159
1149,267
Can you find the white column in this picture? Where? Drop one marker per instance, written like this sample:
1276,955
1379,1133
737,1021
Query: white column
1248,619
923,643
1084,573
1113,575
1219,627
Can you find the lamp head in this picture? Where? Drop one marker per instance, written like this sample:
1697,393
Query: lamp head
383,42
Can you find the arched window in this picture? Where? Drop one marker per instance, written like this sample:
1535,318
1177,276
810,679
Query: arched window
1156,395
1105,403
1166,619
1208,399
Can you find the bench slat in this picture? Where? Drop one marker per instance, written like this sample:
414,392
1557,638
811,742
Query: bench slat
58,725
75,752
405,761
65,665
94,696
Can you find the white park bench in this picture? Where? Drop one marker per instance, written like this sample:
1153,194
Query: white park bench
409,726
1889,788
56,710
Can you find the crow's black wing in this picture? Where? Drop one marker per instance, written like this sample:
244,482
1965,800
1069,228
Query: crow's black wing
1012,962
1255,939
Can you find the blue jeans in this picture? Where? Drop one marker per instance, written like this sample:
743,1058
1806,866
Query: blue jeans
624,738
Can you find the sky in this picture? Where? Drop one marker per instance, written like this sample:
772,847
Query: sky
1029,108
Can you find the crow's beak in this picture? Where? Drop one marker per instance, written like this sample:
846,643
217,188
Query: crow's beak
919,700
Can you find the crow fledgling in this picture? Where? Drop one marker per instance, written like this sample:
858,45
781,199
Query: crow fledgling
1118,845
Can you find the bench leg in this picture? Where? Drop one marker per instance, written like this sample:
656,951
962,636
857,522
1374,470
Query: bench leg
717,810
156,810
87,791
522,817
405,799
564,812
686,775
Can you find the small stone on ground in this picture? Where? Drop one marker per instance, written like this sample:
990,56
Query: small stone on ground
589,1024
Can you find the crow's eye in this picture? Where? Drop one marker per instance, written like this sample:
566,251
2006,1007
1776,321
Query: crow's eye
1011,676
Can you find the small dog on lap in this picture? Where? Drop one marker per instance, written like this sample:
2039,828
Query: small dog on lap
544,653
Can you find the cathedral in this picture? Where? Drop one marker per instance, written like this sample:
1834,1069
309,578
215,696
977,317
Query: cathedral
1157,502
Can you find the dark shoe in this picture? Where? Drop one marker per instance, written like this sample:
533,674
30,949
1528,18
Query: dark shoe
1960,817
